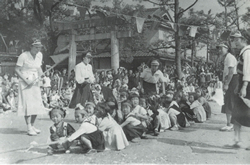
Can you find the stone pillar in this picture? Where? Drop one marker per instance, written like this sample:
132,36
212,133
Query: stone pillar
72,53
114,51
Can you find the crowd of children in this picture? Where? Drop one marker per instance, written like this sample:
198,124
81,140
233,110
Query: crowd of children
109,123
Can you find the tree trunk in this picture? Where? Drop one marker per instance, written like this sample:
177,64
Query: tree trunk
237,15
192,53
114,51
177,41
72,53
225,6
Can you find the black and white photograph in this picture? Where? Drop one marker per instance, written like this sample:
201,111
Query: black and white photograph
124,81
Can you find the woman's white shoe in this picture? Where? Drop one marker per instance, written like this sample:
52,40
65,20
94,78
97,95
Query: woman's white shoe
31,132
36,130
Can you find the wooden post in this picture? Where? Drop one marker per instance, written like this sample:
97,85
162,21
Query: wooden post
72,53
114,51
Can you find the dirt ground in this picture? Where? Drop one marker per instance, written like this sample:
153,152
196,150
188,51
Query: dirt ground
201,143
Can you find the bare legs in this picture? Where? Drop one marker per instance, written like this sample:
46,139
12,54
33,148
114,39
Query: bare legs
237,128
229,126
229,116
30,120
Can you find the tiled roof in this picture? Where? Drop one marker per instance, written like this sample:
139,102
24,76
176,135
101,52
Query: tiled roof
135,54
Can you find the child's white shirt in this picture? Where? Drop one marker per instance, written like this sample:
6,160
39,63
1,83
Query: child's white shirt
85,128
132,120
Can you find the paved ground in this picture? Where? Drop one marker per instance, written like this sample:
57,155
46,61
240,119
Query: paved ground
198,144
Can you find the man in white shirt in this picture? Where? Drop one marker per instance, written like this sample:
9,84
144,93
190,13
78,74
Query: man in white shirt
84,77
149,78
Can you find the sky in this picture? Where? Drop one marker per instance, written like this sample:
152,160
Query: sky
205,5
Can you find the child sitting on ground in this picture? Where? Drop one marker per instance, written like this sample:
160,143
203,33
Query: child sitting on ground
176,115
60,130
90,137
113,133
91,117
153,122
203,102
132,127
195,105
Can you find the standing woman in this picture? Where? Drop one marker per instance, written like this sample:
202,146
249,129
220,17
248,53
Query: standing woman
150,77
230,80
241,112
28,68
84,77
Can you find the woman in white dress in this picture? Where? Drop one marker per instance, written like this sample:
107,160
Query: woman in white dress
28,68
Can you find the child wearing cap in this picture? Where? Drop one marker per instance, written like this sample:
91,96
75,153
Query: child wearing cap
91,138
59,130
113,133
132,127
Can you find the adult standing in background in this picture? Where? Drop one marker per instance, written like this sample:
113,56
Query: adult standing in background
28,68
241,112
149,78
230,80
84,77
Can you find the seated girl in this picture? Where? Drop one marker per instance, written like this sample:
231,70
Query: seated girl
156,103
218,96
91,117
132,127
153,122
113,133
176,116
197,108
204,102
185,107
60,130
137,110
90,137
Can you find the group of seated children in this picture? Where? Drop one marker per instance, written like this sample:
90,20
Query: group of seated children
104,126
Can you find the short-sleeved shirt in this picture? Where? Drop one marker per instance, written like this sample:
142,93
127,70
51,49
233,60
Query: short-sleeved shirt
26,60
133,121
29,65
230,61
85,128
147,76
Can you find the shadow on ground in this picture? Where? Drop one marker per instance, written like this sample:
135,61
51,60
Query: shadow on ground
196,147
11,131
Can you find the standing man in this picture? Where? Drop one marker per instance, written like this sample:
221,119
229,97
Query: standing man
84,77
150,77
230,80
241,112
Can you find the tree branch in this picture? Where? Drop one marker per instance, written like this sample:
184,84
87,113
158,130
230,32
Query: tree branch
187,8
152,2
159,3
